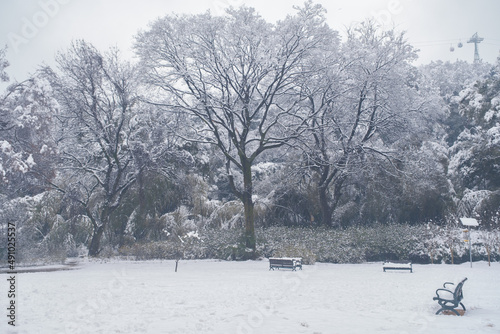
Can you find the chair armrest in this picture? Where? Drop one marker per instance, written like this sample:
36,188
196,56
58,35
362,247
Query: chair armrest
444,285
447,295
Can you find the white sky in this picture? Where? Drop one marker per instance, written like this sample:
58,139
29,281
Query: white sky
34,30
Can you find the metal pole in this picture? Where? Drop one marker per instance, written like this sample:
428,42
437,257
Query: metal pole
470,249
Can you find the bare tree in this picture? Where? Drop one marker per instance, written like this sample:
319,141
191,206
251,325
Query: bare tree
97,94
237,75
364,103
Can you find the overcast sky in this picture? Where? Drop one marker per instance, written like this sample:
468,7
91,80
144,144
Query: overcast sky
34,30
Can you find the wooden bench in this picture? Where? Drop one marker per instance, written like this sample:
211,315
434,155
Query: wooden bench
397,265
449,298
285,263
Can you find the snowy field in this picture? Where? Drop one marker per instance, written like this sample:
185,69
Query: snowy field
244,297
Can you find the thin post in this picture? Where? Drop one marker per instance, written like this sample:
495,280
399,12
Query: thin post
470,249
469,223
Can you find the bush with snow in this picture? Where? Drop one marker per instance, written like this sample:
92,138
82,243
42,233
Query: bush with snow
419,244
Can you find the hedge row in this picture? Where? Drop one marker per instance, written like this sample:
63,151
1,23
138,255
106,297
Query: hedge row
420,244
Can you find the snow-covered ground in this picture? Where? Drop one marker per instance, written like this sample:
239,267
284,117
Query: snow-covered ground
245,297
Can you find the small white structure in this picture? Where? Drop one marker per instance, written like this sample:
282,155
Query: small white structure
469,223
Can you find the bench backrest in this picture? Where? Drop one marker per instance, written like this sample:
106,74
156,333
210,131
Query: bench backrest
458,294
281,261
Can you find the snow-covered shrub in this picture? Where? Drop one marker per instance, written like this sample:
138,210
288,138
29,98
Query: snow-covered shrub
295,250
44,234
220,243
488,211
16,211
149,251
418,243
227,215
471,201
182,240
179,222
487,245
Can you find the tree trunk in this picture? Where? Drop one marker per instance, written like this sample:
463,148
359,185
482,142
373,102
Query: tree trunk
323,184
328,206
95,243
326,210
489,255
249,224
245,197
248,206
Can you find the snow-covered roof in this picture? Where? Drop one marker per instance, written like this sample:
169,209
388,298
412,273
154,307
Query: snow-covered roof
469,221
